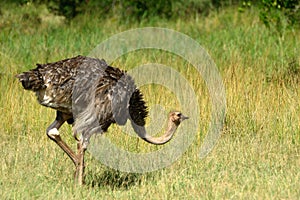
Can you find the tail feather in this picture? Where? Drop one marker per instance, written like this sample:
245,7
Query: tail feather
31,80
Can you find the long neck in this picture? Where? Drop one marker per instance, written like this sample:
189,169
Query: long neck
166,137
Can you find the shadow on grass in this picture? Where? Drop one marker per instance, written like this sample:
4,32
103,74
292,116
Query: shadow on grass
114,179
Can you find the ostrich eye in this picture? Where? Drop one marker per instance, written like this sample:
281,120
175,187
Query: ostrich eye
178,114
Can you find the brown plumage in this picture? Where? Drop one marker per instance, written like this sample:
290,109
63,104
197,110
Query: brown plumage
90,95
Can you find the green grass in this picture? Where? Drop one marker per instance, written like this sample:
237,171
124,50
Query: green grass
257,157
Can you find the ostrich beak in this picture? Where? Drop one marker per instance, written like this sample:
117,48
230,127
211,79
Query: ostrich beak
184,117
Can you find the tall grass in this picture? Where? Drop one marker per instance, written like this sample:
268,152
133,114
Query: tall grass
257,157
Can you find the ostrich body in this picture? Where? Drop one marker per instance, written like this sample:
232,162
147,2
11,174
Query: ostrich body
90,95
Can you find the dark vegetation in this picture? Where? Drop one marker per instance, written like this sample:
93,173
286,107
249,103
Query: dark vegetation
272,12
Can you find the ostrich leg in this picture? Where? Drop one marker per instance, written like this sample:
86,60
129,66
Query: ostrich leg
79,174
53,134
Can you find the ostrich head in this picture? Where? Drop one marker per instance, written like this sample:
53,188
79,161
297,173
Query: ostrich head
177,117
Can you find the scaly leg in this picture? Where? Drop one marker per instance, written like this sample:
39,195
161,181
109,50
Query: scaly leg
53,134
79,174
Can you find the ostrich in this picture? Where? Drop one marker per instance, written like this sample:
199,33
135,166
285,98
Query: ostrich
90,95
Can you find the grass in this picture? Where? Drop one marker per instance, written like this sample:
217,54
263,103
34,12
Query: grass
257,157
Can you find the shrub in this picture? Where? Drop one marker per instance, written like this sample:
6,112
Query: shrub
278,14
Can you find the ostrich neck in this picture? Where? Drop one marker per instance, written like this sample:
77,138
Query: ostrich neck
166,137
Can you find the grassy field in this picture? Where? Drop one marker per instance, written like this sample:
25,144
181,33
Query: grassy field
257,157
